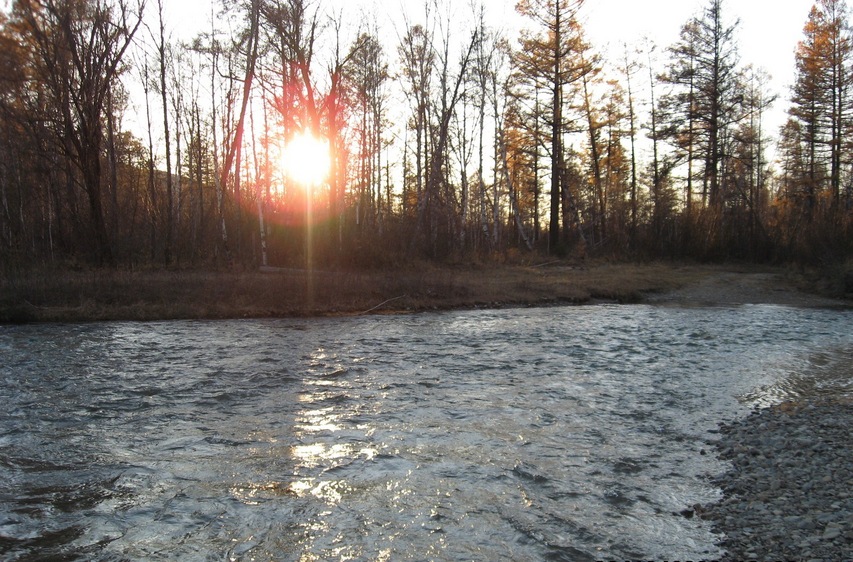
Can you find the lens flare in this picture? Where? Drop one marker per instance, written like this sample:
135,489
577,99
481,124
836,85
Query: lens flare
306,159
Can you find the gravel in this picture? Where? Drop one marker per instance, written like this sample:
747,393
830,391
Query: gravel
789,492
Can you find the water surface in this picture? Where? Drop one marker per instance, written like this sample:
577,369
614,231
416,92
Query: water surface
530,434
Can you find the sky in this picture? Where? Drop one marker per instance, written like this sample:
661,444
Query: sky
768,33
769,30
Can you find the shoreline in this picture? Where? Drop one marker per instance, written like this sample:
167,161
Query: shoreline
789,492
84,296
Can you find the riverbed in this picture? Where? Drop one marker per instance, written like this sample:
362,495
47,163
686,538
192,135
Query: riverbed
567,433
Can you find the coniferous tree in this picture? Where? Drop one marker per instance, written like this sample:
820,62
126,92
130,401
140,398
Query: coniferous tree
820,99
810,107
815,147
549,56
704,106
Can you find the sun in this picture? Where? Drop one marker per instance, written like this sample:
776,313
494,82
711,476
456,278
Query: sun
306,160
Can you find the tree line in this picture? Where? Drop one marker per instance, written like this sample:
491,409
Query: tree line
448,139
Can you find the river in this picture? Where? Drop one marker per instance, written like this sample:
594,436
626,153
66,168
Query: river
565,433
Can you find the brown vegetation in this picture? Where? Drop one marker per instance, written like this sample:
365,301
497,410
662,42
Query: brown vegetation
152,295
525,140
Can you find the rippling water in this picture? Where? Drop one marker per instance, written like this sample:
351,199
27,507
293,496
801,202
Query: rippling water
532,434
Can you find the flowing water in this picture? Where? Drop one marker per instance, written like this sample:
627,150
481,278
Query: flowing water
531,434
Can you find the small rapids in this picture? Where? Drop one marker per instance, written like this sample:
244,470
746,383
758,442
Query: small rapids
576,433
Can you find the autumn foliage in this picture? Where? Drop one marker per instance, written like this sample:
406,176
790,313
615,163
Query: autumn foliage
123,146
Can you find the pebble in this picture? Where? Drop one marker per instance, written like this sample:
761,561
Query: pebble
831,533
789,483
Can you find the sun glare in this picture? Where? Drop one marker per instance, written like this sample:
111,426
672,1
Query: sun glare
306,159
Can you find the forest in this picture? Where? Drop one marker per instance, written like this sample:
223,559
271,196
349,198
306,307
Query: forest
451,140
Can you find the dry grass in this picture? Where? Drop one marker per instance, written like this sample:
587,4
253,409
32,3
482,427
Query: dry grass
51,296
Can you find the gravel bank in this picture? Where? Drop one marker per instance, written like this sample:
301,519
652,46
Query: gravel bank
789,493
730,288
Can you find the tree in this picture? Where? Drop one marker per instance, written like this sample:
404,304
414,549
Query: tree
816,155
704,106
840,80
550,57
77,47
675,118
618,168
718,89
629,68
16,139
809,103
820,100
450,95
596,122
749,169
250,37
417,60
162,53
366,76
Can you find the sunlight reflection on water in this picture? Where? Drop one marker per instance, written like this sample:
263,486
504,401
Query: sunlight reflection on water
525,434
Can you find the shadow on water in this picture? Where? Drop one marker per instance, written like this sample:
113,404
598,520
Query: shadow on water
37,523
49,545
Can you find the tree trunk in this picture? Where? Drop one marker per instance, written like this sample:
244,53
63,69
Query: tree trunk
170,201
556,141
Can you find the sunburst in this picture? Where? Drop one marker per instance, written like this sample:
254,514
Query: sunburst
306,159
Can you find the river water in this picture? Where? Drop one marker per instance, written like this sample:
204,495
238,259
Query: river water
573,433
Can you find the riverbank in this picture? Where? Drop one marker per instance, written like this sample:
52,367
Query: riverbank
68,296
789,492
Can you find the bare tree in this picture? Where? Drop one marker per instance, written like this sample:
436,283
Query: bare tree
162,52
418,60
78,47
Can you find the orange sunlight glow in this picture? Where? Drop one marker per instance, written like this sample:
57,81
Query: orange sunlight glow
306,159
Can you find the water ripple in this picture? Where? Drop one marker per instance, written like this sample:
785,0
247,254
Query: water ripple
534,434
